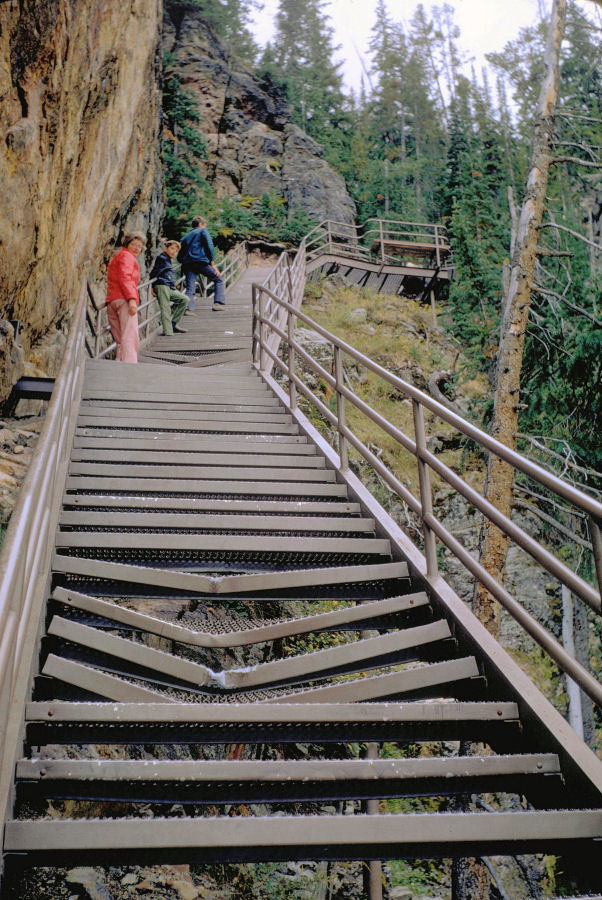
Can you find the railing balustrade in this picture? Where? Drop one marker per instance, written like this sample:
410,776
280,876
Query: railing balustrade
384,242
275,315
29,540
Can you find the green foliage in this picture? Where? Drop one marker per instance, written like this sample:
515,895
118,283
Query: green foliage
232,219
300,60
183,151
230,19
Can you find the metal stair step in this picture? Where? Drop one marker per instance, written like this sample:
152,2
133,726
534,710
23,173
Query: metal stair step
191,443
201,471
246,781
229,584
296,837
436,679
239,414
179,408
359,615
232,522
125,540
355,656
176,485
186,457
212,439
199,423
306,509
157,721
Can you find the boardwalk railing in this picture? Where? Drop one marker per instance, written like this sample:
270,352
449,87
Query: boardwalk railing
29,542
382,241
276,313
98,343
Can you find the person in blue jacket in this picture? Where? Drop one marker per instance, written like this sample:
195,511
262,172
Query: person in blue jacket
197,257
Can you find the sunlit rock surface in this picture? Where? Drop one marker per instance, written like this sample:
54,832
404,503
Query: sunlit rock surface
80,158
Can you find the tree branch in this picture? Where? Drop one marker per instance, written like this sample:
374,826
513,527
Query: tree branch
575,159
574,306
570,231
533,440
551,521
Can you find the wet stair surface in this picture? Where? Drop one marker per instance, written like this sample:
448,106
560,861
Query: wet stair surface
226,623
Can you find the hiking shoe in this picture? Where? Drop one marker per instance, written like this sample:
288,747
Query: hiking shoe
178,330
218,306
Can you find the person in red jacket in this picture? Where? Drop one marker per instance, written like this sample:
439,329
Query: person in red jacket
123,275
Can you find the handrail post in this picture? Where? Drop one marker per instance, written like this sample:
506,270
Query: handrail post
341,422
263,331
97,333
426,497
382,241
292,387
255,329
596,536
437,250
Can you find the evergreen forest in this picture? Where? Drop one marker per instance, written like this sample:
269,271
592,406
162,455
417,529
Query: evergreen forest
422,142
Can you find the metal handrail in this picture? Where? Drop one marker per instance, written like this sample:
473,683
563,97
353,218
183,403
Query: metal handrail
268,321
28,543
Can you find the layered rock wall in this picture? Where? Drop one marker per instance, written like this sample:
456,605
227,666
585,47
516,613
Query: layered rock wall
79,153
254,148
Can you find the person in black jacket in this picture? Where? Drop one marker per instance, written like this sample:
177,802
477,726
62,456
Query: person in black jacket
172,303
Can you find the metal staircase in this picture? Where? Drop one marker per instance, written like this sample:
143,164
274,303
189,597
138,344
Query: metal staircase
225,625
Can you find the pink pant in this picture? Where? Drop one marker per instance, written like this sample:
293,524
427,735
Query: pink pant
125,330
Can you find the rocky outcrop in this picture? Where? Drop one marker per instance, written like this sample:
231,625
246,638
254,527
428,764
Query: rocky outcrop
80,162
253,146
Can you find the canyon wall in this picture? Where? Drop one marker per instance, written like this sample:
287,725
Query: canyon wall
79,157
254,148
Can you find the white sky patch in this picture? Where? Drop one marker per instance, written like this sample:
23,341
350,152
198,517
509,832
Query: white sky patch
486,26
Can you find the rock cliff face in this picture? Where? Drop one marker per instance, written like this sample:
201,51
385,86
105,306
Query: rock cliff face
80,155
80,159
253,146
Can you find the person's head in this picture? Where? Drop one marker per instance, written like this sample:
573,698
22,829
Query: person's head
171,248
199,222
134,241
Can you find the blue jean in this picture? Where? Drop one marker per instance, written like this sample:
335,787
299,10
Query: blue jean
219,295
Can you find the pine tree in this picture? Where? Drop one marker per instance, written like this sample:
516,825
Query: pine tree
301,56
230,19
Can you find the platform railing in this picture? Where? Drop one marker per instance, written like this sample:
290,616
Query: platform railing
384,242
28,544
274,344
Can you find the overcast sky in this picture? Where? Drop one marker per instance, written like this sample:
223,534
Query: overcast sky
486,25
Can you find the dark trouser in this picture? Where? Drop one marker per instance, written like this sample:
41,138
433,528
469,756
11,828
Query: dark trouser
172,305
206,271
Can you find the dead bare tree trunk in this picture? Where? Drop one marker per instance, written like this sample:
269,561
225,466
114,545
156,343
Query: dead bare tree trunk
470,878
500,476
